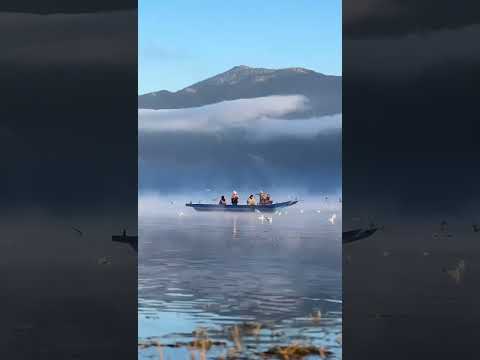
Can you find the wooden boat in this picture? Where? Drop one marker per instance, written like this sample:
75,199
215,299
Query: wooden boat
242,208
357,234
128,239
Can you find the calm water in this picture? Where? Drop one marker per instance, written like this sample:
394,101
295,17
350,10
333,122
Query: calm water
411,290
215,271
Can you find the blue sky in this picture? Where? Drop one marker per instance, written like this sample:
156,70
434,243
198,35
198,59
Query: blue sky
185,41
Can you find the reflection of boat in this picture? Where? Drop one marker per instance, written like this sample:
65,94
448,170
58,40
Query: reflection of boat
242,208
124,238
357,234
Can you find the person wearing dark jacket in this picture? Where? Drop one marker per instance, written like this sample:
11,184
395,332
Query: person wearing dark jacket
235,198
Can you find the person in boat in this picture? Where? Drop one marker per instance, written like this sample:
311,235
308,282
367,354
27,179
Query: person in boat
251,201
222,201
263,197
235,198
268,200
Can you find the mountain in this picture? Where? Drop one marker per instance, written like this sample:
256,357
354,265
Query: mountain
240,82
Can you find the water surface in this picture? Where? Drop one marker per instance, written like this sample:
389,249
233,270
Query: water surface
272,281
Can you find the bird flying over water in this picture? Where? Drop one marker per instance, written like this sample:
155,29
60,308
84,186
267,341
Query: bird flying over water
78,231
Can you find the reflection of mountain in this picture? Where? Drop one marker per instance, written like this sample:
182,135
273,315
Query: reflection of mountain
323,91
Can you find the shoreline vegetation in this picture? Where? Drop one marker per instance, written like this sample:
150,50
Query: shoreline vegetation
234,345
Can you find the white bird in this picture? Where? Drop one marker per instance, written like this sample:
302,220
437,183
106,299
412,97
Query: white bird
180,213
265,218
332,219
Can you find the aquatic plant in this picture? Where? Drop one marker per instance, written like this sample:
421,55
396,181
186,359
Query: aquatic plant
246,328
296,351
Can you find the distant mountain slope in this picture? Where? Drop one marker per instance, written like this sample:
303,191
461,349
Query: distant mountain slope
323,91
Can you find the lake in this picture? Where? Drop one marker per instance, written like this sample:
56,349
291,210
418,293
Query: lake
245,282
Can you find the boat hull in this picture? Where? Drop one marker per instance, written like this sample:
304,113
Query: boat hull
241,208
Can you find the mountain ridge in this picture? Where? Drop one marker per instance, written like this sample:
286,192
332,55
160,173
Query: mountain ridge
323,91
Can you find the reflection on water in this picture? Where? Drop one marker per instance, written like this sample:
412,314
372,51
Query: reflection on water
249,283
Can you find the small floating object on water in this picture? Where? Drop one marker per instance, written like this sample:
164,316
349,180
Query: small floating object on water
105,260
332,219
316,315
457,272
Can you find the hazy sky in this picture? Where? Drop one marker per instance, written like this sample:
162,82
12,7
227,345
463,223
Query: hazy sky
182,42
